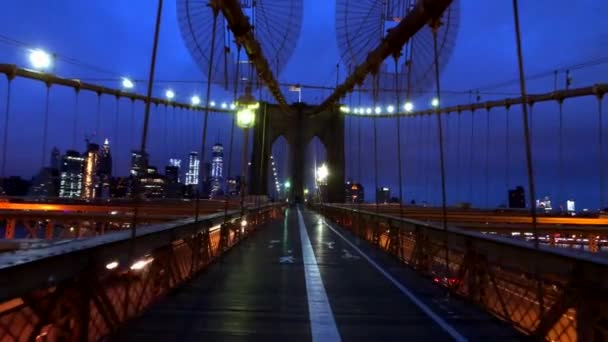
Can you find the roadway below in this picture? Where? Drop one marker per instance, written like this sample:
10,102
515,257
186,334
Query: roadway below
305,279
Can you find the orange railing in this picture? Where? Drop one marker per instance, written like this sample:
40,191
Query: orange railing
547,292
86,289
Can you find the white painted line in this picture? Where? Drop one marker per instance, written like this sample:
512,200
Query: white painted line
322,321
436,318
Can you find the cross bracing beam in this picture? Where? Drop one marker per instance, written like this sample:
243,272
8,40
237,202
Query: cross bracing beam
238,23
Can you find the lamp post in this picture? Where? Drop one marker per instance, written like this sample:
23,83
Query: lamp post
322,172
245,119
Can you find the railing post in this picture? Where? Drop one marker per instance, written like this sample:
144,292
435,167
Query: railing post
9,232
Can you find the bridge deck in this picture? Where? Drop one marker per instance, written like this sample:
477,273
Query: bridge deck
300,279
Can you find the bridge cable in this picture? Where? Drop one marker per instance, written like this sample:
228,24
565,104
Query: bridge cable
144,135
132,124
487,158
76,112
399,166
435,26
6,122
206,117
471,153
165,135
359,170
507,152
458,161
232,123
375,101
98,117
560,152
601,149
46,125
528,150
115,142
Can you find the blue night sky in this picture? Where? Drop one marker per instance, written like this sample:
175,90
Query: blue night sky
114,38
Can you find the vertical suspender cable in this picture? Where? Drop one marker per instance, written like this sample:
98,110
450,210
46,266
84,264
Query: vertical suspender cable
6,122
458,176
601,150
75,123
98,117
471,151
399,166
46,125
487,158
528,149
132,124
444,220
115,142
232,122
144,135
507,153
208,94
375,100
165,134
560,151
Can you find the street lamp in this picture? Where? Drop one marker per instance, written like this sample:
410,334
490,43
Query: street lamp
245,119
287,185
390,109
170,94
322,173
127,83
212,104
40,60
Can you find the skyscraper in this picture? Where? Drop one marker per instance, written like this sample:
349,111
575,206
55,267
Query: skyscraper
71,175
104,170
193,169
217,165
90,171
139,163
55,159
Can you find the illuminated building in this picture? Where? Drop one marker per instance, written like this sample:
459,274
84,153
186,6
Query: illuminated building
152,184
71,175
90,171
193,169
544,204
139,162
383,195
172,174
104,170
234,186
217,161
570,206
44,184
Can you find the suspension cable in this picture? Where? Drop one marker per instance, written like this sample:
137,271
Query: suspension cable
6,122
132,124
560,191
375,101
76,111
471,152
46,125
399,166
487,159
206,116
115,142
507,153
98,118
232,123
444,220
601,150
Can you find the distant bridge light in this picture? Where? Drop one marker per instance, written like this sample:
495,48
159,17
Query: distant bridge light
169,94
345,109
127,83
408,107
212,104
390,109
40,60
435,102
368,111
195,100
232,106
378,110
224,105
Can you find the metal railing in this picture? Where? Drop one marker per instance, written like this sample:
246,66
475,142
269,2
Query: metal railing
86,289
550,293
